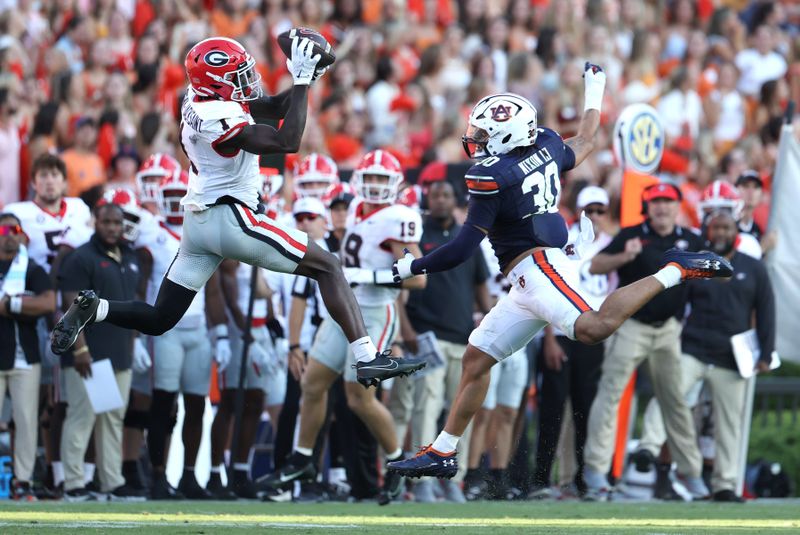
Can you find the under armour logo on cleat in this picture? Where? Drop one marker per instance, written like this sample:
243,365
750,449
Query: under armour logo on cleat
449,462
711,264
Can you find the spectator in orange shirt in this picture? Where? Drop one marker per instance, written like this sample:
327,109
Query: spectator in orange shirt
84,166
232,18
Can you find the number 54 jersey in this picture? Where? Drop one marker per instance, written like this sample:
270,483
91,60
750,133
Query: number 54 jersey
515,196
366,245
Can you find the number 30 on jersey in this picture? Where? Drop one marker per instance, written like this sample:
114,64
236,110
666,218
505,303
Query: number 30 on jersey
546,188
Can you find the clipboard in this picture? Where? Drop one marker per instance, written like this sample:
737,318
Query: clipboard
747,352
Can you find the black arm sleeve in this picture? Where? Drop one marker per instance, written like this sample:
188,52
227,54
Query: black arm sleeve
765,314
451,254
271,107
264,139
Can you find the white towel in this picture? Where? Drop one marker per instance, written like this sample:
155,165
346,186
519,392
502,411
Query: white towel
14,282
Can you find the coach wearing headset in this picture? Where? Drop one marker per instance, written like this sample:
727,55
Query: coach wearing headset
652,334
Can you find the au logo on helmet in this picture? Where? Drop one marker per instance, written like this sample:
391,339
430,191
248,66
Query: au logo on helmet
216,58
639,138
501,113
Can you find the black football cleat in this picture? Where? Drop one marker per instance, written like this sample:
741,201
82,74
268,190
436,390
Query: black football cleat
80,313
297,468
427,462
385,366
393,486
700,265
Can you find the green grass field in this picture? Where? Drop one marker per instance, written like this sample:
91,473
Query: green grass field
493,518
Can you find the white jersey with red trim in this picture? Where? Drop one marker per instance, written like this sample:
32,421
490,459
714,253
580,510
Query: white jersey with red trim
163,241
47,231
204,126
365,244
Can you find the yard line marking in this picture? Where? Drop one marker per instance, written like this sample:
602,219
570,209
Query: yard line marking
347,521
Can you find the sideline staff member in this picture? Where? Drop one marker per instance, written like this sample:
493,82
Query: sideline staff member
652,333
25,295
721,309
109,266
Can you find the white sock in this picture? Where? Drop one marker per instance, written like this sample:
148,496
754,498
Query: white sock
242,467
58,473
102,311
363,349
669,276
445,442
395,454
308,452
88,473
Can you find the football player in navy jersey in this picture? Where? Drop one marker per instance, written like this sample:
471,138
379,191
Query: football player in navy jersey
514,192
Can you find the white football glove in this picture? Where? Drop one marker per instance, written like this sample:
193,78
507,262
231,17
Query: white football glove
141,358
401,269
594,82
585,236
356,276
222,347
302,65
257,351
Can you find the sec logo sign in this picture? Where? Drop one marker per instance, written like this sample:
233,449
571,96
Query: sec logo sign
639,138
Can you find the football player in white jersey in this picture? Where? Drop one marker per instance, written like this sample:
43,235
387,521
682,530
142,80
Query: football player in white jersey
182,355
260,380
55,225
50,217
222,219
377,233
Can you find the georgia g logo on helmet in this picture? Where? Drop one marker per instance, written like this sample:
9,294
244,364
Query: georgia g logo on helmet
216,58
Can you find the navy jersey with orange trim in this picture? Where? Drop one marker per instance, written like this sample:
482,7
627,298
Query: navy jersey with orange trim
514,196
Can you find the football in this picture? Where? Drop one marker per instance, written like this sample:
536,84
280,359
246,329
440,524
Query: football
321,45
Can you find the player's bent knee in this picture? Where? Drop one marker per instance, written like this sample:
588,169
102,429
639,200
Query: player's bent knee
590,329
476,364
506,415
312,387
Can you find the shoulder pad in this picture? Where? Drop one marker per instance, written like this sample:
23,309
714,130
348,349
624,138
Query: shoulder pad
77,204
482,179
217,109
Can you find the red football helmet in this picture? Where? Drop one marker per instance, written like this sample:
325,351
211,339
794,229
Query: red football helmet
152,172
341,192
314,175
221,68
171,190
719,195
381,164
131,210
411,197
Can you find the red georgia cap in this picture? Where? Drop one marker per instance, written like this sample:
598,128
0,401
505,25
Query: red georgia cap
660,191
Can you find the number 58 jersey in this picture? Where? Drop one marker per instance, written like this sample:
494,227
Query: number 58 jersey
366,245
515,196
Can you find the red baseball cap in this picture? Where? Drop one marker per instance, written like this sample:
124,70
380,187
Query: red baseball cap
661,191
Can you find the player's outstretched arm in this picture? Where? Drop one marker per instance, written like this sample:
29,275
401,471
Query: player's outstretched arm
264,139
271,106
448,256
582,144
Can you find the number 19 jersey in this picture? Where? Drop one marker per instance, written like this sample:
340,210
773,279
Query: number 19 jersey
515,196
366,245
